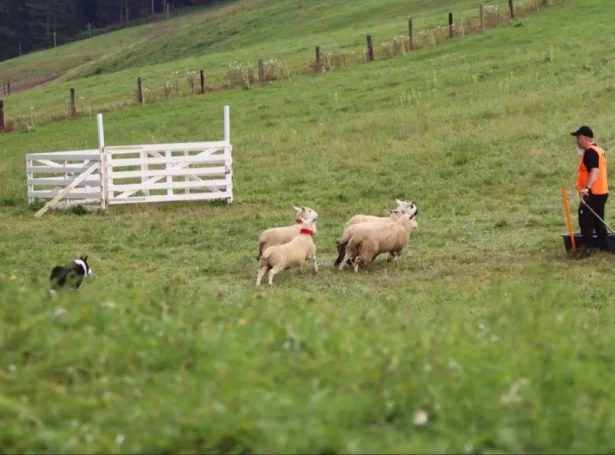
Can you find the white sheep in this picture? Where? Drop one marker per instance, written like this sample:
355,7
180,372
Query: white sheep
406,206
281,235
370,240
291,254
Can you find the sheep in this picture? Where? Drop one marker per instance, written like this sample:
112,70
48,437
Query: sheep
342,242
407,206
292,254
370,239
280,235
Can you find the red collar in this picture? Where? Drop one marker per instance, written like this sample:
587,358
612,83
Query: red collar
306,231
298,221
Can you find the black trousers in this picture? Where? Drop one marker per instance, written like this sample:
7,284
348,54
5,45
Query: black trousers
590,224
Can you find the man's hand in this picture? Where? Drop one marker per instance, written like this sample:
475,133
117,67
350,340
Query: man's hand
583,193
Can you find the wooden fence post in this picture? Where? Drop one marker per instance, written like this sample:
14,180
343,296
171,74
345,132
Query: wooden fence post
1,115
317,58
140,91
482,16
536,4
8,87
202,82
545,2
511,8
370,49
411,33
73,107
167,10
261,71
450,25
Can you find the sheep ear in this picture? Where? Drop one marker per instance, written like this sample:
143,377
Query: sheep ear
298,209
85,259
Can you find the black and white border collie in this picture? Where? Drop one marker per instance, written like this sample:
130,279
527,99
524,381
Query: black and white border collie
71,274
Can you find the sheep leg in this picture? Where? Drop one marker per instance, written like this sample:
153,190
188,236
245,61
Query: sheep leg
272,272
363,258
315,264
261,273
340,253
395,255
346,258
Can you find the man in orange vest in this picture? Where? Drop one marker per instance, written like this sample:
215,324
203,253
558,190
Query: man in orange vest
593,189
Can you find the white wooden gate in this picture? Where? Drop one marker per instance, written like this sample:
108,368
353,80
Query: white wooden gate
49,174
134,173
170,172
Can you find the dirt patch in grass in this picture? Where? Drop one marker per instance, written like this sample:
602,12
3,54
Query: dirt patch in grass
23,86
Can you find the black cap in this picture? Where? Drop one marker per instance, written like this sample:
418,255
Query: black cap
583,131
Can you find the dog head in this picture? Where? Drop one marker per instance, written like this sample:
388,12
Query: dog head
82,262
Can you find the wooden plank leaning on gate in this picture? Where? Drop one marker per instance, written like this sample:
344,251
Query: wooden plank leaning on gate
67,190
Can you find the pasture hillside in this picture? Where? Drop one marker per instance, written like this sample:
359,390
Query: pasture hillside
484,338
226,43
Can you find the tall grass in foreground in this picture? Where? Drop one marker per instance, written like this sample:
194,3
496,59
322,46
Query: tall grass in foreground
508,369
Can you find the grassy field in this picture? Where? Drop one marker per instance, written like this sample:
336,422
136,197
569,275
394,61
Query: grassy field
104,70
485,338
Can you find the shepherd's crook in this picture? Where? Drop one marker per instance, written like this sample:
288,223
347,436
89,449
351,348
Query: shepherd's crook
592,210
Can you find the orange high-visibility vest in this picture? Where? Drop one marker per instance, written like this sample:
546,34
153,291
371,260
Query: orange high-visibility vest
600,186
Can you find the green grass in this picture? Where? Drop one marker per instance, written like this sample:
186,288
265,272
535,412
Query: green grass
485,324
104,70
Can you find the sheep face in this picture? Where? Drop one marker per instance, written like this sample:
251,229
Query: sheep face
404,213
306,213
408,207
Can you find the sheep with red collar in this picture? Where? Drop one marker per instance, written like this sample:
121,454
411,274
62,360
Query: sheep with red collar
369,240
292,254
406,206
281,235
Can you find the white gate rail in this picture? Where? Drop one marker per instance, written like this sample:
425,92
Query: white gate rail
50,173
171,172
134,173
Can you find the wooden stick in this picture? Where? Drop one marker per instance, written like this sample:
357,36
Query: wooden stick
570,231
370,48
592,210
66,190
1,115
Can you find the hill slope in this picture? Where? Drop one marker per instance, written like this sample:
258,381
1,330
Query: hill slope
104,69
